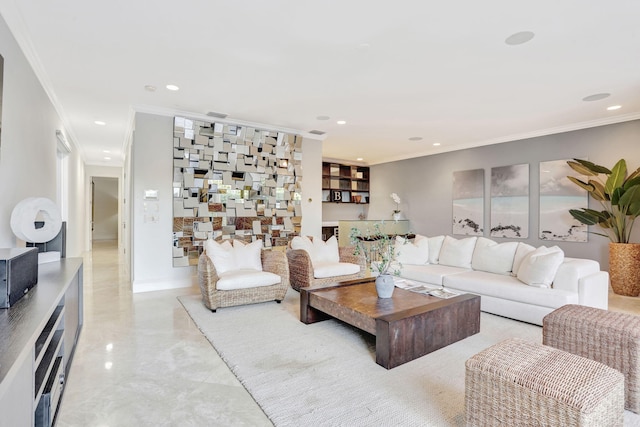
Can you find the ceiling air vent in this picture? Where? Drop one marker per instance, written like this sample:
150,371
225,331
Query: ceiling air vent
217,115
316,132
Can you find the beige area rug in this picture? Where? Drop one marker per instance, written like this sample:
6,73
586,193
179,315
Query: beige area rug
325,374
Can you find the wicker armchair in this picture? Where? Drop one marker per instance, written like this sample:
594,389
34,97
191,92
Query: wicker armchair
301,268
273,261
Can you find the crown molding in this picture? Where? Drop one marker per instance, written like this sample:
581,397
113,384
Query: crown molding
161,111
14,20
517,137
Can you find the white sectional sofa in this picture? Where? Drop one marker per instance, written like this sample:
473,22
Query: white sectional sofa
514,280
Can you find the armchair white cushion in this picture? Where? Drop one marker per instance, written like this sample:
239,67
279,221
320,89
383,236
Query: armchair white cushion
313,262
324,270
246,278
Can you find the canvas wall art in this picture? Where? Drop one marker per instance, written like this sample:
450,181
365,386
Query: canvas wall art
468,202
510,201
557,196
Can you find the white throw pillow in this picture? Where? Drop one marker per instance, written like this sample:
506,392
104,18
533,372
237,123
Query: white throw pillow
493,257
302,243
538,268
222,255
522,251
435,245
416,253
325,252
457,253
248,256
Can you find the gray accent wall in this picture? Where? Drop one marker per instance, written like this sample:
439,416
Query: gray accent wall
425,183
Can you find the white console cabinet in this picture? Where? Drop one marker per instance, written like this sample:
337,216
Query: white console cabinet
38,336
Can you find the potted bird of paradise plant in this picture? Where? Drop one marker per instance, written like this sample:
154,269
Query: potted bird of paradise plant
618,193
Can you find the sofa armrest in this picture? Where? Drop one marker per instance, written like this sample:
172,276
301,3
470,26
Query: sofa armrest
593,290
300,268
275,261
347,255
571,271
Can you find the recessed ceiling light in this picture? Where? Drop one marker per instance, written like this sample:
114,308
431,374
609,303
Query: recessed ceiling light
341,122
107,158
614,107
106,151
359,159
323,118
150,88
436,144
99,123
217,115
519,38
596,97
415,138
172,87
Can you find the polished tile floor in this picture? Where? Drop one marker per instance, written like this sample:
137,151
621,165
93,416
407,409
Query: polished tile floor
141,361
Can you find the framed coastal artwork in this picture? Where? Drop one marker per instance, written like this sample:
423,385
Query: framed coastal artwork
557,196
510,201
468,202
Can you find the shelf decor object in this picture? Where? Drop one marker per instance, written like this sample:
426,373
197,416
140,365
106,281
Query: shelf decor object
345,183
233,182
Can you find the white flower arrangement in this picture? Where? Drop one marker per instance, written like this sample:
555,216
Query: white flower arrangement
396,199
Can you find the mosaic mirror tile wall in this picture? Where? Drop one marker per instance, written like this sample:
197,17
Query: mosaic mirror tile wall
233,182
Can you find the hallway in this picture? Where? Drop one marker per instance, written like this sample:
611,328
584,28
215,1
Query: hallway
141,361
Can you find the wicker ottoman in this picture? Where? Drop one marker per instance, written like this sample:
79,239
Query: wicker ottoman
518,383
604,336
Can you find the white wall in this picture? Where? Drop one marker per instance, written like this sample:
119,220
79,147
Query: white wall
151,160
28,147
311,188
425,183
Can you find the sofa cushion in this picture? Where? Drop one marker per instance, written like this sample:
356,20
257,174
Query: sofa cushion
320,252
302,243
228,257
325,252
432,273
248,255
246,278
331,269
457,253
508,288
416,253
221,254
538,268
435,245
522,251
493,257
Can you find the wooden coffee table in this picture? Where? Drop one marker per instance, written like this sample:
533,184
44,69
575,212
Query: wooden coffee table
406,326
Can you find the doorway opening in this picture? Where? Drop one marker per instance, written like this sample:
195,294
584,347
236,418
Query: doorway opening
104,211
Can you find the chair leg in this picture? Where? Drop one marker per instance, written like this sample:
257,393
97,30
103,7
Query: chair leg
213,310
278,301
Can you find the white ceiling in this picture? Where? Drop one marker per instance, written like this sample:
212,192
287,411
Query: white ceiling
392,70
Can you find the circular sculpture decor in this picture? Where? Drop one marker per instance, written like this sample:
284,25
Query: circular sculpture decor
26,213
